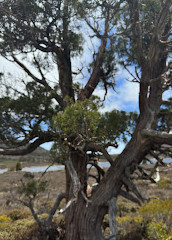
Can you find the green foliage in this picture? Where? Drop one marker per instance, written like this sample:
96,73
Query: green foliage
157,217
152,221
26,30
33,109
159,209
22,226
36,101
149,10
163,183
31,187
116,125
18,166
58,152
157,231
165,116
81,117
124,219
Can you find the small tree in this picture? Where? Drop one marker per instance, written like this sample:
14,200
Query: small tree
27,193
18,166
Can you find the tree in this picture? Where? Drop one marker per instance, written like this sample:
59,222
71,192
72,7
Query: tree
48,33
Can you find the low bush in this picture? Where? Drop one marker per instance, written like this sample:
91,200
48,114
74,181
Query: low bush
157,216
163,183
153,221
19,213
19,230
4,222
18,166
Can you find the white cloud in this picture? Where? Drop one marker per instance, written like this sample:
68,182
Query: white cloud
129,92
47,145
126,94
118,150
124,98
167,94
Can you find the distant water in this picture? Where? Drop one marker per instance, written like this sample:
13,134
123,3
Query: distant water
3,170
168,160
43,168
35,169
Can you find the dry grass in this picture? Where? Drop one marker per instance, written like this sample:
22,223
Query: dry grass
22,225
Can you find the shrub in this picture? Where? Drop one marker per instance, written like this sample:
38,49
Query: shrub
19,213
163,183
153,221
4,222
19,230
18,166
125,219
158,209
157,231
6,236
157,218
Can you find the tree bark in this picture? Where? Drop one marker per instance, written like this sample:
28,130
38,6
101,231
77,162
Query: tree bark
65,74
112,218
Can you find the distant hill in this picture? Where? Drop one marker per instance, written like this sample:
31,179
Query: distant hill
39,153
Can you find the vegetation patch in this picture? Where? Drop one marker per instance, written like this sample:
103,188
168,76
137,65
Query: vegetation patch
164,183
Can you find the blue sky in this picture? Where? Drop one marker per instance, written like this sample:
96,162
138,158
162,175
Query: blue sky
125,96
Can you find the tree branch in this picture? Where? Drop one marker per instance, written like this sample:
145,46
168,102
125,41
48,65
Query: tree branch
132,187
29,148
129,196
136,30
74,177
99,147
157,137
59,198
159,28
112,218
38,80
94,79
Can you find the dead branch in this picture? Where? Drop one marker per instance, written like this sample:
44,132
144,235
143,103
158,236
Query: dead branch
132,187
61,211
74,178
129,197
157,137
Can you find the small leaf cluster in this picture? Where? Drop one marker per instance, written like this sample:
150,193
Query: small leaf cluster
165,116
81,117
163,183
58,152
30,186
116,125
